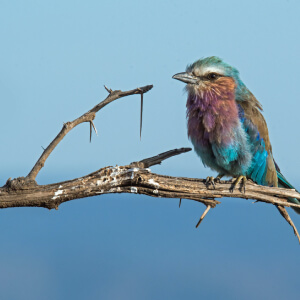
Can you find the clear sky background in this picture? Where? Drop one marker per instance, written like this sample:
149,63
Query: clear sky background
55,57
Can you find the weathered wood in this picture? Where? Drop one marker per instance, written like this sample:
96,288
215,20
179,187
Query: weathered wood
132,179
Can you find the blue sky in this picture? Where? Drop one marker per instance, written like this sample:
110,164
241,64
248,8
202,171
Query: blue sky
55,58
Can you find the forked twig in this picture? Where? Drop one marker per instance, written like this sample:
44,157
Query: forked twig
108,90
87,117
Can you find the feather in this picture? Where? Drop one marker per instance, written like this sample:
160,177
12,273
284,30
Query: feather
226,125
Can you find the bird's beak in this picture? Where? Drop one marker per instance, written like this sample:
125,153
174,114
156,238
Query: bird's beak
186,77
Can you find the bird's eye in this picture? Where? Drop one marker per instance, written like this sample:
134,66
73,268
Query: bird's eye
212,76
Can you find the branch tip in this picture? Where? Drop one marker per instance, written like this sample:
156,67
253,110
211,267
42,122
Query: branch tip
108,90
285,214
156,160
203,215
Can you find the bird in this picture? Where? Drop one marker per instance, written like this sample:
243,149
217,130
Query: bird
226,126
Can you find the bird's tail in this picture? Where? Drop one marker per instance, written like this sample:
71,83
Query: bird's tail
282,182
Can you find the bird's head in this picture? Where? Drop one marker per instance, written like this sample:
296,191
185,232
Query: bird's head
211,77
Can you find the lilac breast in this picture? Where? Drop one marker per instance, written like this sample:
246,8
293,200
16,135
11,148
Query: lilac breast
211,119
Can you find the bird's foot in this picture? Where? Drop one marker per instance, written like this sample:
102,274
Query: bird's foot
218,178
241,179
210,180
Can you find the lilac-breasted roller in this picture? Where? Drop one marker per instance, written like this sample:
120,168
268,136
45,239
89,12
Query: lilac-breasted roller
226,126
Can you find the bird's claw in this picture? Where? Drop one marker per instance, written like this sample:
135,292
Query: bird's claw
218,178
210,180
241,179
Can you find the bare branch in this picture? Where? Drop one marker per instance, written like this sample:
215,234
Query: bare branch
285,214
203,215
137,178
157,159
87,117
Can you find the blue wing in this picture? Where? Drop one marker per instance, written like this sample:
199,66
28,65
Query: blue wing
261,164
264,169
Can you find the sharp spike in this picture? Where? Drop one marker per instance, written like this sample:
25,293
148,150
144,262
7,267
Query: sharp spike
141,116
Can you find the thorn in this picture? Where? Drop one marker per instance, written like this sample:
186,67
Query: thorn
43,148
95,129
203,215
90,131
108,90
92,125
141,116
56,207
179,202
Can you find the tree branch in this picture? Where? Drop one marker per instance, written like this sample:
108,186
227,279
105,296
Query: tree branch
87,117
134,178
285,214
203,215
138,180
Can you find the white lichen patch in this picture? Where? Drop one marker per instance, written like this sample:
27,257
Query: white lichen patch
151,181
60,186
115,171
77,187
114,190
134,190
133,170
57,193
155,192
